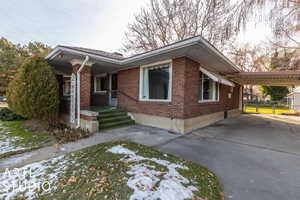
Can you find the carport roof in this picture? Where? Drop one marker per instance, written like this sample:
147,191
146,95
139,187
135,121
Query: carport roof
278,78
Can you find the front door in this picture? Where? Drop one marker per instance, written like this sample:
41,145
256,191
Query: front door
113,100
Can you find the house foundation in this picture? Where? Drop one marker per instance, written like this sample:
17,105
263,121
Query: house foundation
182,126
89,121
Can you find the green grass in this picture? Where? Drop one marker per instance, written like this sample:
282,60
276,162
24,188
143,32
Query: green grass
94,173
265,110
22,139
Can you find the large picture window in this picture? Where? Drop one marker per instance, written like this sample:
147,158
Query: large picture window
101,83
156,82
208,89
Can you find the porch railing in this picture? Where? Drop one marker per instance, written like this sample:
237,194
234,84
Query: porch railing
125,94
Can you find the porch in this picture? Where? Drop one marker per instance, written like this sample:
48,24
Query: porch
89,92
103,91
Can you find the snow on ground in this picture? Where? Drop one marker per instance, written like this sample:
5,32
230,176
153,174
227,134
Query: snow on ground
28,180
149,183
7,141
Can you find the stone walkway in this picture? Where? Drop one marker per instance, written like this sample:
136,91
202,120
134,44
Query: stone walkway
140,134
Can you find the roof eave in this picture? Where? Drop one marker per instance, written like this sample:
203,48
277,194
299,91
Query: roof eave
188,42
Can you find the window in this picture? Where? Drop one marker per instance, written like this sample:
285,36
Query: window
156,82
208,89
67,87
101,83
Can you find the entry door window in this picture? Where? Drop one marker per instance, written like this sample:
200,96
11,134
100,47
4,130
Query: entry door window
101,83
114,82
114,85
67,87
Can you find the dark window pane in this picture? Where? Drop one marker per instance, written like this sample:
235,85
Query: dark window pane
200,86
104,84
207,88
217,91
114,82
159,83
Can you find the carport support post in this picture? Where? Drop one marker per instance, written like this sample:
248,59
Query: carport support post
256,108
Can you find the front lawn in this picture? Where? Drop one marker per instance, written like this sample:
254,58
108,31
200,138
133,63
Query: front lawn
14,138
115,170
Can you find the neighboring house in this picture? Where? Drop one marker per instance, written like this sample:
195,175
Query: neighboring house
180,87
294,100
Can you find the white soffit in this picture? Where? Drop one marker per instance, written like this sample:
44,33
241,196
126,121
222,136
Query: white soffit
217,78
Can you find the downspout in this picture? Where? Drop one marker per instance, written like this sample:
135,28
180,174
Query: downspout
78,90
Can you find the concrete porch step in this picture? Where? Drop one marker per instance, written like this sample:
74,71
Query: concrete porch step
115,118
116,124
113,110
112,114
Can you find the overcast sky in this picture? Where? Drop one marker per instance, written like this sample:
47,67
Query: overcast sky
94,24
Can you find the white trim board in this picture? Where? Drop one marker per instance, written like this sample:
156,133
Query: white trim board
170,81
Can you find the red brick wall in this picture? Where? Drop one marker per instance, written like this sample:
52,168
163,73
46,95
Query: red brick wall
85,86
128,83
192,108
185,93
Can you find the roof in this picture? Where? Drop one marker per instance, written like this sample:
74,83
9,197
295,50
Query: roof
274,73
277,78
196,48
95,52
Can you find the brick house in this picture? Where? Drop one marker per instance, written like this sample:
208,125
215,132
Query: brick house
180,87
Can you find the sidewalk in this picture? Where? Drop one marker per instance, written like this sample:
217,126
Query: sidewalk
140,134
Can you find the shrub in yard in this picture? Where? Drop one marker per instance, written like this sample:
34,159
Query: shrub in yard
64,133
8,115
34,92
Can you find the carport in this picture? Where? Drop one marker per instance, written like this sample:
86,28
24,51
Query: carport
278,78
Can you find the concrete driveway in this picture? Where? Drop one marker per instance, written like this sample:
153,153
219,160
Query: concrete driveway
257,157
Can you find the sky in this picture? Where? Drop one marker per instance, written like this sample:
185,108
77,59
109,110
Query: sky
98,24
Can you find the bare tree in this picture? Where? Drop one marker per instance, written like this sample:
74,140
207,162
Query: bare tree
250,59
167,21
283,16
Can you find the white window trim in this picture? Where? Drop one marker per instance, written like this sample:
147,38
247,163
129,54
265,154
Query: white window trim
95,82
170,81
214,92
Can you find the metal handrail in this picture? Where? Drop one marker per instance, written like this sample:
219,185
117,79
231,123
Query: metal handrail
123,93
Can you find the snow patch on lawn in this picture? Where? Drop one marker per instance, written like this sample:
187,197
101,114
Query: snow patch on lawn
27,180
7,141
149,184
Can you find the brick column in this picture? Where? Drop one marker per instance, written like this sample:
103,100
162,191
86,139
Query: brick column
185,86
85,85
